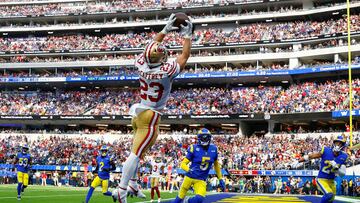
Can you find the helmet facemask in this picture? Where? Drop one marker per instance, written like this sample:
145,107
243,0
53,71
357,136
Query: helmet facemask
204,140
337,146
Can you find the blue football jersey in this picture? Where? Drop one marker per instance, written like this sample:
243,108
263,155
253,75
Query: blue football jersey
23,162
201,161
104,167
326,170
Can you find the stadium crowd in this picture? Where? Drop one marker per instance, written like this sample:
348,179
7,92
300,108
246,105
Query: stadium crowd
303,97
93,7
239,153
273,152
172,53
243,33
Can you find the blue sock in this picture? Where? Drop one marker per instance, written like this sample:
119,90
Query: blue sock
177,200
107,193
19,188
89,194
196,199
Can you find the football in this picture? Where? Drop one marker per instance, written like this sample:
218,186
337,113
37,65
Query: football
180,19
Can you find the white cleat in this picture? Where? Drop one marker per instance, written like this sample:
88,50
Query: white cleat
122,195
19,198
159,200
136,191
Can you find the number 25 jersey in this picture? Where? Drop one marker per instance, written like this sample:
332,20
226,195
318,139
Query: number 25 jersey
155,84
326,170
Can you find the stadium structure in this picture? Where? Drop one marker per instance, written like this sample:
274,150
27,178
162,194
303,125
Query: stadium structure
259,70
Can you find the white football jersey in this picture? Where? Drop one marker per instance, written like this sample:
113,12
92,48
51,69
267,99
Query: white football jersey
155,84
156,167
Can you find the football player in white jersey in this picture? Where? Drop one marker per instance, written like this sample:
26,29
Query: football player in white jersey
156,74
157,165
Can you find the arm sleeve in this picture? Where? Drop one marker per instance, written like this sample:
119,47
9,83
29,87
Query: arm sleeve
218,169
174,69
184,164
322,150
190,153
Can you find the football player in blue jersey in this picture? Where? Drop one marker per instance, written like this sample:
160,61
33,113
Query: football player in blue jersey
202,156
22,163
333,162
104,164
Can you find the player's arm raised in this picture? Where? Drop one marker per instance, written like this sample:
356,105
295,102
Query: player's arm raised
299,163
169,27
186,32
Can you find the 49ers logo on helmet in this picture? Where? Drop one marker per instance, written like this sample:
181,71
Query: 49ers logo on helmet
160,49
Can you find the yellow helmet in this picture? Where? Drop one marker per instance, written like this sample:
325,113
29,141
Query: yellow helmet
155,54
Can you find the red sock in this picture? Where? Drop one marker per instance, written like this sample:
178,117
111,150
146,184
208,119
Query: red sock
157,191
152,193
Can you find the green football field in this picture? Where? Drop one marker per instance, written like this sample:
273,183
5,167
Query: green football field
51,194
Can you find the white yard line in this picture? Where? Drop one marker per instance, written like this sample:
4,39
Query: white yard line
27,197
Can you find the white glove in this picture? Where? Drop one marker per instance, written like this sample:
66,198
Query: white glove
334,164
169,25
342,171
186,31
296,164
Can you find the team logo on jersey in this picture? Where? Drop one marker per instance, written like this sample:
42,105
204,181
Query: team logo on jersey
197,149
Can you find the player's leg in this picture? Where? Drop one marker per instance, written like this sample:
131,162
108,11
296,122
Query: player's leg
105,190
199,190
146,125
156,187
96,182
105,187
20,179
185,186
25,181
333,188
152,183
325,188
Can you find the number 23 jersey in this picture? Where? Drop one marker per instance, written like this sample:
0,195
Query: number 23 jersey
326,170
155,83
201,161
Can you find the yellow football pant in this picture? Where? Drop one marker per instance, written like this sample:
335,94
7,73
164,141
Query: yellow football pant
198,185
326,186
98,181
23,178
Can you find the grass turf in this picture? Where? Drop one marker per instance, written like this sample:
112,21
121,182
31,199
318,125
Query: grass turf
51,194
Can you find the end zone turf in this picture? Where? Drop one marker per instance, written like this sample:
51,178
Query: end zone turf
253,198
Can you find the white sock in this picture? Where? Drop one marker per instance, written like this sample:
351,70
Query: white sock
133,180
129,169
